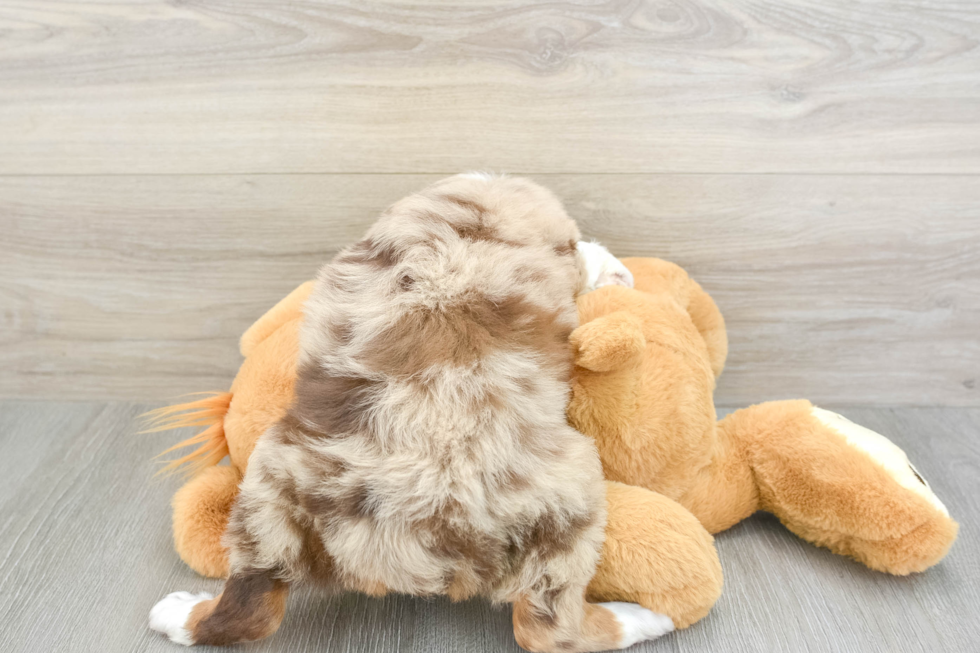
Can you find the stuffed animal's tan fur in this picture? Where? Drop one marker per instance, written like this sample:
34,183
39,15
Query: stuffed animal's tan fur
646,364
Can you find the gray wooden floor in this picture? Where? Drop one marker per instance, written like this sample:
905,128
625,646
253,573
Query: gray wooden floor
85,552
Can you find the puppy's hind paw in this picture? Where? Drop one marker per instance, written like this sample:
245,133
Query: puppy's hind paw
637,623
169,616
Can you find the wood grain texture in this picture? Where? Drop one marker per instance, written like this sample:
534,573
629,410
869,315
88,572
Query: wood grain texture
85,552
528,85
842,289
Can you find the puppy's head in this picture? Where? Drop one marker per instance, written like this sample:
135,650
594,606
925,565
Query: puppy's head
520,212
511,210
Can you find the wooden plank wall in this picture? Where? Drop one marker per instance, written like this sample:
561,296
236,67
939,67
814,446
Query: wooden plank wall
169,169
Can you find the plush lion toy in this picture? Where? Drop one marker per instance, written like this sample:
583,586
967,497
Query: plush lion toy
646,363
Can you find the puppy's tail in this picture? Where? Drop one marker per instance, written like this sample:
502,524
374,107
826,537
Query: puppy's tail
208,412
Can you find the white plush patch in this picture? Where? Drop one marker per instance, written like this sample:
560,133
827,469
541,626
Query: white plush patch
602,268
638,623
883,451
170,615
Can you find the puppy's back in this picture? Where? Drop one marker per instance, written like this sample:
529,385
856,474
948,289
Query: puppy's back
472,279
427,450
428,445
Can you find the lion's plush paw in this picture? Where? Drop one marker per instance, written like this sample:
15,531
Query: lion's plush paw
602,268
883,451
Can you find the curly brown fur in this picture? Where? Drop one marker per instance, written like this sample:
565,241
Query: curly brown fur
427,450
